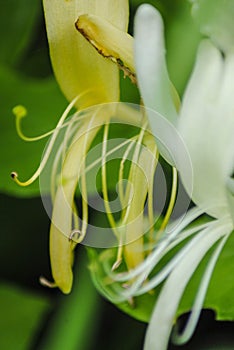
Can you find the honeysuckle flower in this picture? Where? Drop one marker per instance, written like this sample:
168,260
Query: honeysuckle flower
86,79
206,124
80,72
91,84
89,79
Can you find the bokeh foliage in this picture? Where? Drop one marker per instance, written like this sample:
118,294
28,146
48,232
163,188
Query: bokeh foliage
32,317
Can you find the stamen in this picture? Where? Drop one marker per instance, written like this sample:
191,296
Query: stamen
14,175
84,203
162,274
75,236
175,285
150,193
115,149
44,282
171,204
131,173
83,179
118,260
187,333
104,181
54,171
20,112
60,154
48,150
160,247
75,216
121,172
106,198
136,288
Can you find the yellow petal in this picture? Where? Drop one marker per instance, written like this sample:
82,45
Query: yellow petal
61,251
139,178
61,247
78,68
109,41
115,45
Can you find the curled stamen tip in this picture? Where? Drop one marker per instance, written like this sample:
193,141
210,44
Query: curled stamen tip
14,175
75,236
116,265
44,282
19,111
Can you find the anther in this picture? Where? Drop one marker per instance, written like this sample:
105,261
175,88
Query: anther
116,265
14,175
44,282
75,236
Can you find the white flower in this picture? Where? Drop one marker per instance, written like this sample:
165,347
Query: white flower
206,124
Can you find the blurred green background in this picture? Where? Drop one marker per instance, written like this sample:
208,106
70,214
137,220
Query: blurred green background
31,316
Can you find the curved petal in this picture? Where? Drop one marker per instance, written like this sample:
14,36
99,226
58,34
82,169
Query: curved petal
207,126
150,63
163,315
78,68
109,41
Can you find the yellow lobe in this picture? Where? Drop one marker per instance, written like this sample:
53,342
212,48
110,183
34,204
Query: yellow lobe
77,66
109,41
61,253
114,45
140,177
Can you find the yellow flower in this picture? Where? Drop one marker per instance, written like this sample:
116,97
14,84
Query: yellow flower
86,79
77,67
88,44
80,71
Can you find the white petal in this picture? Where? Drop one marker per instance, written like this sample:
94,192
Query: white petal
163,316
150,63
207,126
191,324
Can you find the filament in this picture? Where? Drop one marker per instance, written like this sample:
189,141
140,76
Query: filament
162,244
104,180
20,112
14,175
180,339
134,160
106,198
121,171
171,203
150,196
115,149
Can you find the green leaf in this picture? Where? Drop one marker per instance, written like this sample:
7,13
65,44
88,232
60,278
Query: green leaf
141,307
21,315
221,289
44,103
77,315
219,296
182,39
17,22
